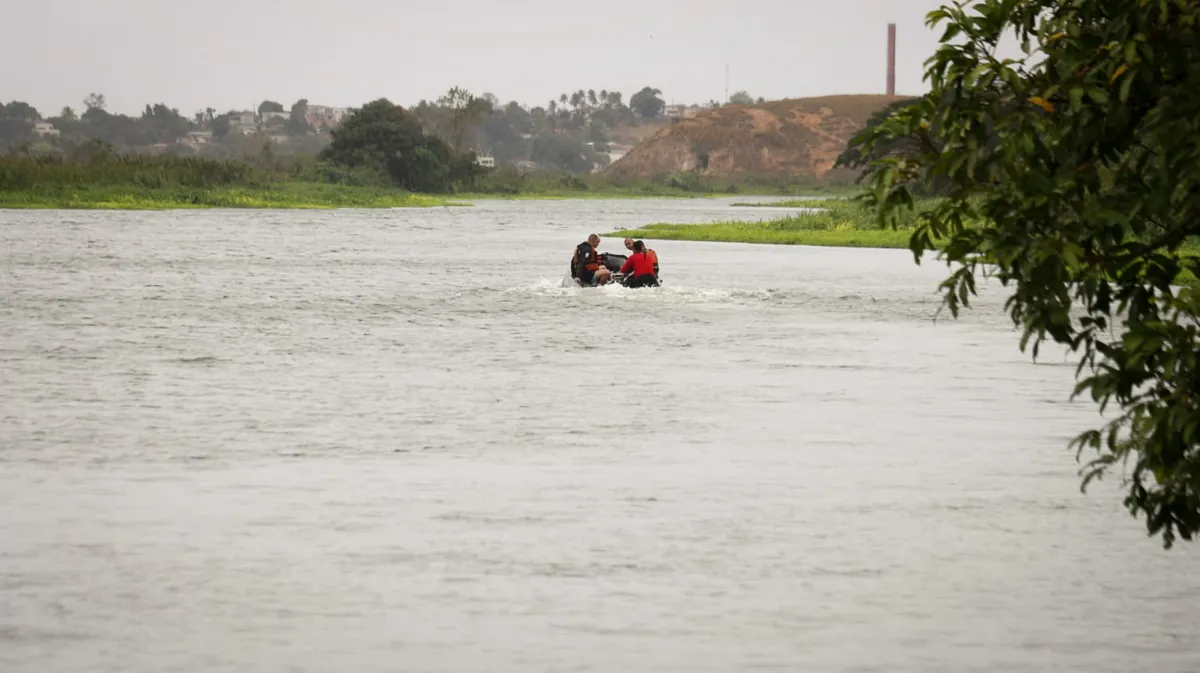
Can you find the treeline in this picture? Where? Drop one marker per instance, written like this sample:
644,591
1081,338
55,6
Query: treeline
571,133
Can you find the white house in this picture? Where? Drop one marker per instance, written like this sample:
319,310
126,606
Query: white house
324,116
44,128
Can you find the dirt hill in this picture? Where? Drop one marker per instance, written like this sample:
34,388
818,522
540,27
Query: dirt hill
800,136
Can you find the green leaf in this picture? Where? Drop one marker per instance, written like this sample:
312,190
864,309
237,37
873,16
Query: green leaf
1123,96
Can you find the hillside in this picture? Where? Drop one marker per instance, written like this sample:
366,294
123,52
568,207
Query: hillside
800,136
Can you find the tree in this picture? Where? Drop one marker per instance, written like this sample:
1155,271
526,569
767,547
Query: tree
94,101
741,98
647,103
1075,173
16,122
297,123
385,137
901,146
20,110
564,152
220,126
269,106
160,123
466,111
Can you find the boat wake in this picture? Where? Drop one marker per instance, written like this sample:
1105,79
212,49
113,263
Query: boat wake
567,287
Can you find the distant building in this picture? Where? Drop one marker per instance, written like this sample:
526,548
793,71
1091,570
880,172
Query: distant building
486,161
242,118
616,151
677,112
324,116
44,128
196,139
244,122
267,116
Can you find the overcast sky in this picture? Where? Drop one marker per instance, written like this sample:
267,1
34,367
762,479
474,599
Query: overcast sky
235,53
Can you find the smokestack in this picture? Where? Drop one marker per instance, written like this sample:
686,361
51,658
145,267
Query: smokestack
891,68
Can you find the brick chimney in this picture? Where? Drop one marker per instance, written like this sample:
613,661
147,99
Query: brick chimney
891,60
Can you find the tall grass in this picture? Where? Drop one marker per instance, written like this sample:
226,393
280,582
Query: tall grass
157,182
18,173
511,182
285,195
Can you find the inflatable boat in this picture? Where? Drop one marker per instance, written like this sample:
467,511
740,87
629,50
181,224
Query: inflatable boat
611,261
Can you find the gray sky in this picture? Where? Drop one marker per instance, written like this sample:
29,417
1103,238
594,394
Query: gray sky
235,53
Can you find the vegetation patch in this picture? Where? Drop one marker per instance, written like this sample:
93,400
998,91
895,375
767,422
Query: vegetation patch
830,222
287,195
771,232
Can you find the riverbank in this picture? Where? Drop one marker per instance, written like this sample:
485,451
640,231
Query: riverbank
139,182
302,195
287,195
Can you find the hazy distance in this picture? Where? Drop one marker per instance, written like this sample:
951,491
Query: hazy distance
233,54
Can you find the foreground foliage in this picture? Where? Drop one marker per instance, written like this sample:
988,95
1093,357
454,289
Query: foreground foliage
1083,161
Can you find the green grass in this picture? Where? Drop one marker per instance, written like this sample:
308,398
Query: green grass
764,232
278,195
840,223
790,203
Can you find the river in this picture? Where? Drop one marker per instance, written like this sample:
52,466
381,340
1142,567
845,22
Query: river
392,440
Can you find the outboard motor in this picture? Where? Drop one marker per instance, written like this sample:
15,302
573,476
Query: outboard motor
612,261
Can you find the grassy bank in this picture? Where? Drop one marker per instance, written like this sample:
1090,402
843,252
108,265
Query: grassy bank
279,195
770,233
93,176
838,223
103,180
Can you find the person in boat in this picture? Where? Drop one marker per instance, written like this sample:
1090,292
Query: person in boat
586,263
649,251
639,269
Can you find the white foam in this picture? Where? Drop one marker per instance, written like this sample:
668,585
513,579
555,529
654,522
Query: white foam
566,287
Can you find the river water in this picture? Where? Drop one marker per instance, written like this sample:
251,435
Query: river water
393,441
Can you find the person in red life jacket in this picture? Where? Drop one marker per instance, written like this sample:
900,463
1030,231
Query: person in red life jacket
649,252
639,268
587,266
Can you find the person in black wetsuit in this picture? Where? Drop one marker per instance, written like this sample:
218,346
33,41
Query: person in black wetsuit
586,266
